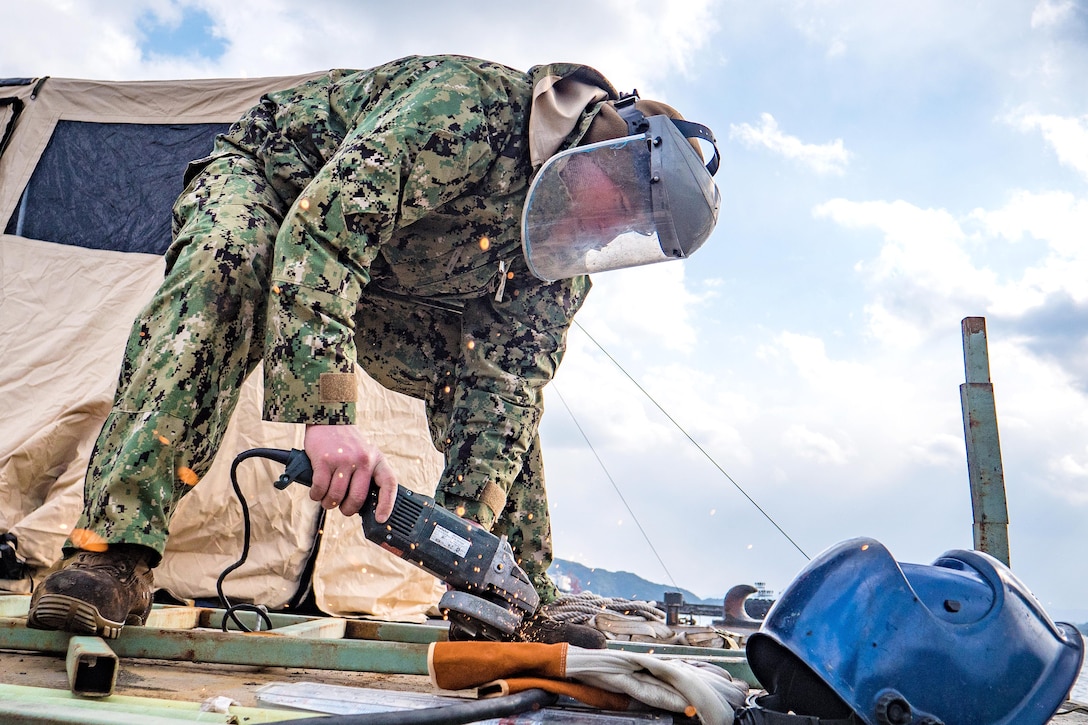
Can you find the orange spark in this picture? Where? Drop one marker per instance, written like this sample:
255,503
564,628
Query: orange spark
88,540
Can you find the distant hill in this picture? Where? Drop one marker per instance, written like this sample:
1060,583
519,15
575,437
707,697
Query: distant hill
573,578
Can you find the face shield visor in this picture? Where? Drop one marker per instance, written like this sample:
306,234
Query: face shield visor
619,203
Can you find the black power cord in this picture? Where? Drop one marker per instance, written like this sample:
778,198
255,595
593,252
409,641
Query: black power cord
231,611
13,566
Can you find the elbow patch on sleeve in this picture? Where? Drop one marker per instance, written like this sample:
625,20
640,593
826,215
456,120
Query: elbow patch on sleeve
338,388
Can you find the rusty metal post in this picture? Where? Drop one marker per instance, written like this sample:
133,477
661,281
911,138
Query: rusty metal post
673,602
991,513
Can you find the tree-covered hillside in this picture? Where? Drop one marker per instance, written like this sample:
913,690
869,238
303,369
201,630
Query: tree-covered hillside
573,578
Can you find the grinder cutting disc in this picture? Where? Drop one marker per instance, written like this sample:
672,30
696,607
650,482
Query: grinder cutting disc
478,618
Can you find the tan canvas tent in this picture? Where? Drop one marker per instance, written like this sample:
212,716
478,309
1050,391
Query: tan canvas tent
88,173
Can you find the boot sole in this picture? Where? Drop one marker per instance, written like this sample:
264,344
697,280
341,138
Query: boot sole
67,614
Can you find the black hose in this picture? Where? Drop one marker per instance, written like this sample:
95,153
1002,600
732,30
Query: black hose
467,712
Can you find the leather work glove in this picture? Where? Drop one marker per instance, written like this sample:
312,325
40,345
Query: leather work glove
608,679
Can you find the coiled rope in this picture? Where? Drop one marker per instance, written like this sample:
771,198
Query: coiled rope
583,607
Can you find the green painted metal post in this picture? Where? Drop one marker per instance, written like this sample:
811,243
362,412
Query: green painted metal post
92,667
991,513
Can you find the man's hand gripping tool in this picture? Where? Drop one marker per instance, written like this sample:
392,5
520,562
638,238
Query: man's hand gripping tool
490,594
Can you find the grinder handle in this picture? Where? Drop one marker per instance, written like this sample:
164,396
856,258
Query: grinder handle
298,469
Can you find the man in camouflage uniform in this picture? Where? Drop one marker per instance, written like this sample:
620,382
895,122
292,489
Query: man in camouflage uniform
365,217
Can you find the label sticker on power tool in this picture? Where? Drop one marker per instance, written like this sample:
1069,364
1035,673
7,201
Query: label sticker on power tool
448,540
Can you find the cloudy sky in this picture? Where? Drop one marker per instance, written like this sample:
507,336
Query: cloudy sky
889,169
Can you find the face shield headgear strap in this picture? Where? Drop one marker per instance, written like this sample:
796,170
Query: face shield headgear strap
637,123
644,198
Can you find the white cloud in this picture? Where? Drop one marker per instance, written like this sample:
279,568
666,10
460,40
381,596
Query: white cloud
1048,13
932,267
818,447
707,408
648,322
676,27
648,308
809,356
606,407
839,409
828,158
836,48
1043,421
922,275
277,37
1067,136
1071,472
1058,219
943,450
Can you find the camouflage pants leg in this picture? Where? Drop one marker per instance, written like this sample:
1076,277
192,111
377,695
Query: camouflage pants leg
414,350
187,355
526,523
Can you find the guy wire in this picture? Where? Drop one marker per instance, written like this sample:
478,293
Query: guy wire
693,441
618,493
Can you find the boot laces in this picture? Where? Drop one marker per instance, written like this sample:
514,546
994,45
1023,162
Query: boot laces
120,564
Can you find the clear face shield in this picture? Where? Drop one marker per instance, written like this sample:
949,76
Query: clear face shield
620,203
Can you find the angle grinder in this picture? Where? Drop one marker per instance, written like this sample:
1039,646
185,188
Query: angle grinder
490,594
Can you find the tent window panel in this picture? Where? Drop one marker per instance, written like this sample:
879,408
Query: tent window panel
110,185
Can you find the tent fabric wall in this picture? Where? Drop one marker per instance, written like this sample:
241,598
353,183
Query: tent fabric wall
64,316
65,312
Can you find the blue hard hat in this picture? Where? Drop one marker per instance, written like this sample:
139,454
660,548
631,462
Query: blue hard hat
959,642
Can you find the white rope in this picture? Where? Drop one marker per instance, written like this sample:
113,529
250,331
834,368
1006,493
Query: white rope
583,607
635,620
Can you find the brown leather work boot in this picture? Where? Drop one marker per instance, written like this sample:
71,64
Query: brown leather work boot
544,629
94,593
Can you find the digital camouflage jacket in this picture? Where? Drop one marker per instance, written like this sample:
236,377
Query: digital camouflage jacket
409,179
